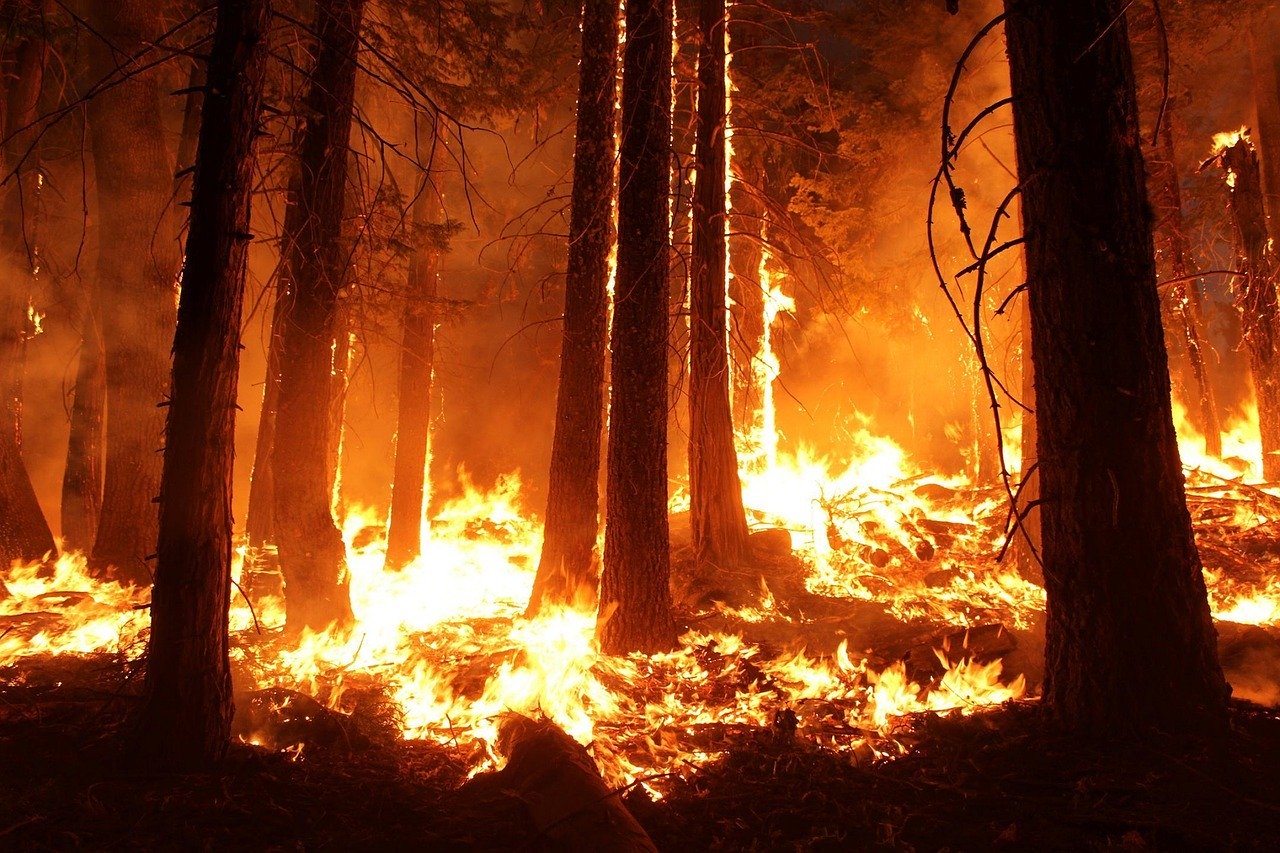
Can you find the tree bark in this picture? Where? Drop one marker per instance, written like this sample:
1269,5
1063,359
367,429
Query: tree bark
1264,53
567,567
1129,638
312,557
138,262
635,599
1256,297
24,532
413,417
1185,302
718,519
82,477
746,296
186,719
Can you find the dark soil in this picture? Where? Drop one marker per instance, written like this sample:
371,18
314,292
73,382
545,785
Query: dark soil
1003,778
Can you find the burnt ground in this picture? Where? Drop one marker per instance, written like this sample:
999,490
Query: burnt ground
999,779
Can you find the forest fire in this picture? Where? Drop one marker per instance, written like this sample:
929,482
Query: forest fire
639,424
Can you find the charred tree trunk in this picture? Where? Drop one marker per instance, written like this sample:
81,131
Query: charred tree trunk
567,567
1149,39
82,477
312,558
186,720
24,532
718,519
635,599
1114,520
1256,297
417,353
138,263
1264,44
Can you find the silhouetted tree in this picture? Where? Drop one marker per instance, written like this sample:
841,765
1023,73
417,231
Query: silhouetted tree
312,555
1129,639
567,565
188,706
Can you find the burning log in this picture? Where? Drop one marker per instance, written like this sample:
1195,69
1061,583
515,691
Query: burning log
557,781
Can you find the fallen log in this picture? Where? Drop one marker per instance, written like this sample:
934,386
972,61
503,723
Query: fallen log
558,783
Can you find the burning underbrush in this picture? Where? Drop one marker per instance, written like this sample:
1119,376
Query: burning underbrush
875,598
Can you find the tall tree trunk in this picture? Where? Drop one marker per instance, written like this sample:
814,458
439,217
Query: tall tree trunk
312,558
24,532
1149,39
82,477
137,272
417,352
1256,297
188,707
1264,52
1114,520
635,599
567,566
717,516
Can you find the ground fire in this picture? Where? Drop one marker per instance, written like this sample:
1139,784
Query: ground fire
635,425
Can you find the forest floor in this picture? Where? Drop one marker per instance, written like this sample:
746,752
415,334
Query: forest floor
1001,778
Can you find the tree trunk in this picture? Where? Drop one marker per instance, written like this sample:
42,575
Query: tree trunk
312,558
82,477
413,417
260,517
746,296
1184,299
717,516
1114,520
1256,297
567,568
1264,52
635,599
138,263
340,348
24,532
186,720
